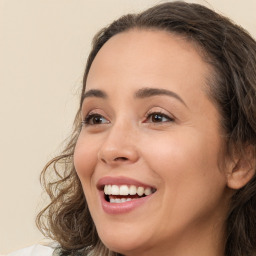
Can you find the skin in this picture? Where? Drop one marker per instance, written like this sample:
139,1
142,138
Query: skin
178,154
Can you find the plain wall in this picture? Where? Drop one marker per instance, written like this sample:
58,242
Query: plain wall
43,49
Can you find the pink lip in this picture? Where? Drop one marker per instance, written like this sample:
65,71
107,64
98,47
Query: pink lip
120,180
120,208
125,207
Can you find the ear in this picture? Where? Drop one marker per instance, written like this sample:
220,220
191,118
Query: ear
241,170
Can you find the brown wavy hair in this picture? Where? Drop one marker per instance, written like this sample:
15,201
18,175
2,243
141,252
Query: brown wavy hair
231,51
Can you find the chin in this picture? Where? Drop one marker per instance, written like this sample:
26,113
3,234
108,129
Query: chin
123,248
125,243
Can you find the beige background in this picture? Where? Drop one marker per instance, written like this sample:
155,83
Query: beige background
43,48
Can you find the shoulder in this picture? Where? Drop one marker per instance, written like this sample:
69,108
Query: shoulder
34,250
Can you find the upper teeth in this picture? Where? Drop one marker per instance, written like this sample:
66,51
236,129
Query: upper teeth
126,190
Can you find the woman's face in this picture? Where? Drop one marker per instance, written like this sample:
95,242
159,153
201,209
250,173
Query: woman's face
151,130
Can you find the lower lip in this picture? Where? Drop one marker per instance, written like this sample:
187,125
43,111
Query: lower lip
120,208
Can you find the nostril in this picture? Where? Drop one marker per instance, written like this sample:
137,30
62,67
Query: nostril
117,159
120,159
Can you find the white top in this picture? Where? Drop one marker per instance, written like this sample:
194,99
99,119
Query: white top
34,250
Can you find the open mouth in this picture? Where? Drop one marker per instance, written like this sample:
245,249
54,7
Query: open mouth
125,193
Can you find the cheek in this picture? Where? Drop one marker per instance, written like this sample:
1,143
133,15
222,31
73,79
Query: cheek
186,150
193,186
85,158
176,152
188,163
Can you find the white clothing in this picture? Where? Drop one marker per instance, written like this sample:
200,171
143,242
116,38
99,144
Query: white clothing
34,250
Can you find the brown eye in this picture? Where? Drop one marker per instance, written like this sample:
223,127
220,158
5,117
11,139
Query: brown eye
158,118
95,119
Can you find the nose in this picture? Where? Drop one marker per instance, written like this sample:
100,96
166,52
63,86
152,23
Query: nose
119,146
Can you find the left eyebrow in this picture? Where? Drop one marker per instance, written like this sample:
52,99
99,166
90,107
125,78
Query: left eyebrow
150,92
94,93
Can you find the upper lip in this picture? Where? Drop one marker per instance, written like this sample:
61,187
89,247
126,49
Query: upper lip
120,180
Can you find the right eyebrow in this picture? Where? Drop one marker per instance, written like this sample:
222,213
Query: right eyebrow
94,93
149,92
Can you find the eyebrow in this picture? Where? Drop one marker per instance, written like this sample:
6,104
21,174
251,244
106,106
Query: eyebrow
150,92
94,93
141,94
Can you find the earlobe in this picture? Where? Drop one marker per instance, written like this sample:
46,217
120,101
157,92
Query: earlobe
241,171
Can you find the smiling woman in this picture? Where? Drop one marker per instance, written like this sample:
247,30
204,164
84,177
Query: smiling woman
162,157
146,135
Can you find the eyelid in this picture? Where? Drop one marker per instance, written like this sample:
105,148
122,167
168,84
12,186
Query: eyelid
160,111
92,105
92,111
91,114
161,121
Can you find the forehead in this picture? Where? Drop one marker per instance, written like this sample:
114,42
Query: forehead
148,58
143,45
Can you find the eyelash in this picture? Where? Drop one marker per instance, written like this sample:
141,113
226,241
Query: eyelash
159,114
87,120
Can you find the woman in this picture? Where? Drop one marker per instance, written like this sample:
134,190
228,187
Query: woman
162,157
